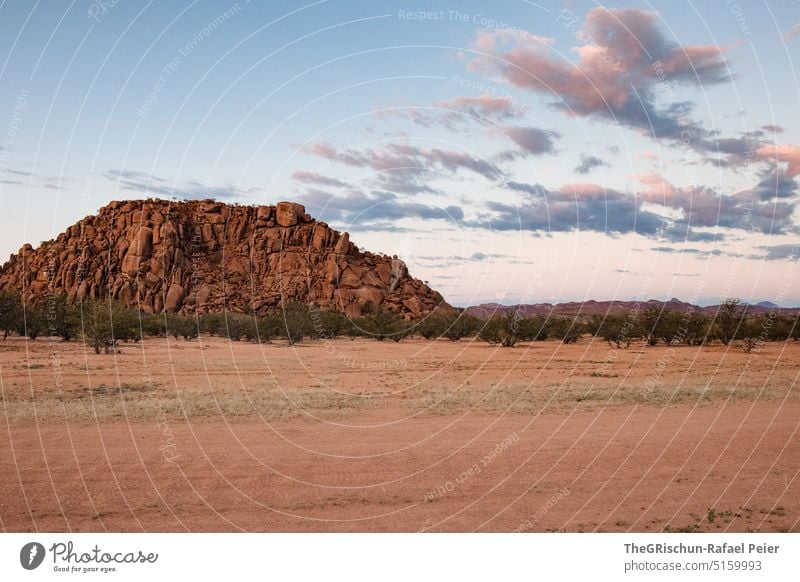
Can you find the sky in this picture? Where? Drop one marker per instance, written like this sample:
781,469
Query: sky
512,152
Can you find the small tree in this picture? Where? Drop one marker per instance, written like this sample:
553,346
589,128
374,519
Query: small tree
697,328
432,326
213,324
669,326
103,321
63,319
154,325
297,323
329,324
10,312
460,324
729,316
618,331
504,329
31,322
382,324
240,326
649,322
268,327
567,329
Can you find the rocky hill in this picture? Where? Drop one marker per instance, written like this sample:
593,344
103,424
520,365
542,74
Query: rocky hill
205,256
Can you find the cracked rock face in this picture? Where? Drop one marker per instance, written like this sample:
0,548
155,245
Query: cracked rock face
206,256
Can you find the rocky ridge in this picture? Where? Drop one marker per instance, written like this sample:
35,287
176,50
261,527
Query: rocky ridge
206,256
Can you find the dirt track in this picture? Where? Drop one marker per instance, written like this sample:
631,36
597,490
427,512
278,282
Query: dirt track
370,436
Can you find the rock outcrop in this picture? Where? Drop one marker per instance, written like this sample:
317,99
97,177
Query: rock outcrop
206,256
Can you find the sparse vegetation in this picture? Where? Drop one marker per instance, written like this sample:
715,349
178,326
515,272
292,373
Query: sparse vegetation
729,317
106,323
382,324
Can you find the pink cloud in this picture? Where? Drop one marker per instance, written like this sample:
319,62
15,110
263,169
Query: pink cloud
623,59
781,153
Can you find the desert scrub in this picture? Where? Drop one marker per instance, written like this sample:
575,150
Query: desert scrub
142,402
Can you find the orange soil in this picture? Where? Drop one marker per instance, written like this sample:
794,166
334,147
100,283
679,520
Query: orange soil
443,437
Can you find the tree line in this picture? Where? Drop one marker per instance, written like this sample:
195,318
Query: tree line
103,324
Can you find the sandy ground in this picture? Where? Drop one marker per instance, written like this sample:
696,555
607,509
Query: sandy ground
363,435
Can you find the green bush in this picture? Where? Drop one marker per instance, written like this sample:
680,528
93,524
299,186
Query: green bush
31,322
106,322
566,329
382,324
239,326
10,309
509,328
296,323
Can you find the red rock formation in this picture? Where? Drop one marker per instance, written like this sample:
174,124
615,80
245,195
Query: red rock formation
207,256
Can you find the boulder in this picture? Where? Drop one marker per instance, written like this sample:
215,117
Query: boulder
289,214
174,299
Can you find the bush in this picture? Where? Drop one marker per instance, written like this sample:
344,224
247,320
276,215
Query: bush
10,309
507,329
62,319
213,324
728,318
459,324
749,344
239,325
432,326
328,324
268,327
296,323
619,331
154,325
184,326
698,328
106,322
382,324
31,322
566,329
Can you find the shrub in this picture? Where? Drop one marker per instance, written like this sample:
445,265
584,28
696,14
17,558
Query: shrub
63,319
566,329
106,322
749,344
432,326
10,308
268,327
382,324
619,331
154,325
31,322
213,324
296,324
240,326
728,318
181,326
328,324
459,324
508,329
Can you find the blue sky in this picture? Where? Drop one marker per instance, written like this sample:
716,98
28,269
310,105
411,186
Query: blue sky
512,151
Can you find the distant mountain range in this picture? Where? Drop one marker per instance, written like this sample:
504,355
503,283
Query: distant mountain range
592,307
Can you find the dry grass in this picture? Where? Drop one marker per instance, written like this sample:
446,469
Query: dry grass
142,402
522,399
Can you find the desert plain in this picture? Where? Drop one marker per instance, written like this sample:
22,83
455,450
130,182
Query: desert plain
363,435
